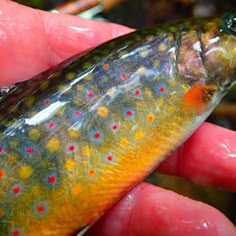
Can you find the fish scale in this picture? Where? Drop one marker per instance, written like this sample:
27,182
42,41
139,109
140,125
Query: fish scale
77,137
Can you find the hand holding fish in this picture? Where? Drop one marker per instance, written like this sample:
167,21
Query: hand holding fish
207,158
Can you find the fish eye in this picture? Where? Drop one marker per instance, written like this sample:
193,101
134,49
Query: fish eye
229,23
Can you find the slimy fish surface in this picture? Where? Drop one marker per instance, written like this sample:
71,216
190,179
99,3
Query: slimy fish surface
77,137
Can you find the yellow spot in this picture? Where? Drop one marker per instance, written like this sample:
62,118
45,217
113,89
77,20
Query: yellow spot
44,85
14,142
53,144
13,158
2,173
34,134
76,190
138,134
104,78
148,92
171,109
86,65
80,87
70,164
150,38
30,101
73,133
141,70
160,102
88,77
102,111
36,190
86,150
60,111
150,117
123,142
92,172
61,88
170,37
25,171
70,75
144,52
156,63
162,47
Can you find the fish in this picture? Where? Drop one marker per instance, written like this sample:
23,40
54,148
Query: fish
75,138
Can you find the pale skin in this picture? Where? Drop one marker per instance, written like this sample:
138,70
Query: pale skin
32,41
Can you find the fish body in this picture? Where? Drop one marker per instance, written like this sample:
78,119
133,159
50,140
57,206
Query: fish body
77,137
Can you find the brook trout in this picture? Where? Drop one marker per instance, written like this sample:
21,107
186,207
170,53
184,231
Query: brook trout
77,137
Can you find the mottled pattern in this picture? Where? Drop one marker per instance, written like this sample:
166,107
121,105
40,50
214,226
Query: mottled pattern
75,138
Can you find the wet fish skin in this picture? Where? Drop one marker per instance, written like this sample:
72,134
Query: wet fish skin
77,137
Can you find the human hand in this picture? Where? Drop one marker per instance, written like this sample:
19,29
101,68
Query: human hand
32,41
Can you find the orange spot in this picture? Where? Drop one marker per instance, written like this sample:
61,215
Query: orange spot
198,97
123,142
92,172
150,117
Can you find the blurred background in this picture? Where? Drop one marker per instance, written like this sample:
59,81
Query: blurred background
141,13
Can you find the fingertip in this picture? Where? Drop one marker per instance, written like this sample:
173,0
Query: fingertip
149,210
207,157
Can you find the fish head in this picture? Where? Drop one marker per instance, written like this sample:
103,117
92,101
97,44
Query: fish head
218,42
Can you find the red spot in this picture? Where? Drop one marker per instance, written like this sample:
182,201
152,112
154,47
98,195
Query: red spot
78,113
162,89
47,101
51,179
129,113
123,76
90,95
51,125
109,158
1,149
97,135
16,190
29,150
15,233
137,92
106,66
1,173
168,68
114,127
40,208
71,147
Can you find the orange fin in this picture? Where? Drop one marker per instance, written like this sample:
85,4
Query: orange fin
198,97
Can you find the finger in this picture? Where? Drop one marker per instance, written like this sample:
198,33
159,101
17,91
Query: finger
32,41
149,210
207,158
